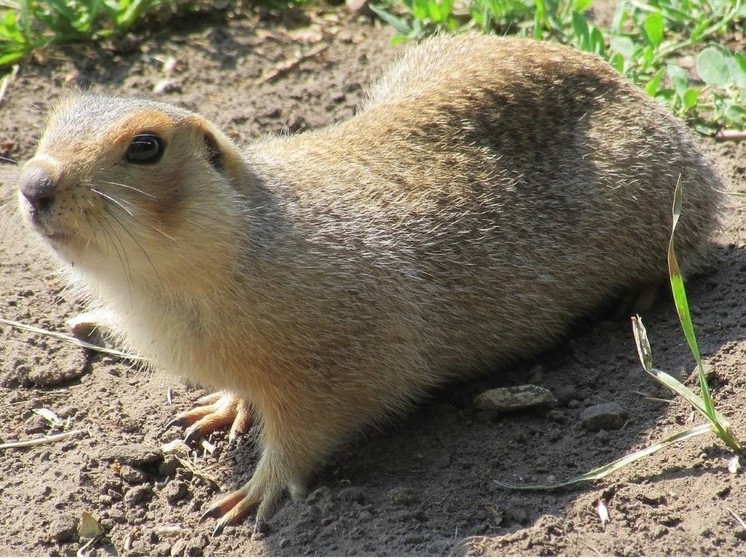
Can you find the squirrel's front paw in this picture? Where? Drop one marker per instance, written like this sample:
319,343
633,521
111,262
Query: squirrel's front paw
215,411
262,494
93,325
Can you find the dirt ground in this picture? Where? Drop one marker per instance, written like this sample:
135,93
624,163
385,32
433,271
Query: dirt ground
423,486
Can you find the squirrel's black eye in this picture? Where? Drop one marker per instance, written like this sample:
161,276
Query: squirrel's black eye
145,148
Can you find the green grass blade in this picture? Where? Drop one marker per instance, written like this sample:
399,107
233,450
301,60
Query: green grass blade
391,19
11,57
680,300
611,467
646,358
703,404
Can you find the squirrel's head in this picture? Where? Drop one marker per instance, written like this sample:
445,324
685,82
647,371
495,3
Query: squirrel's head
132,184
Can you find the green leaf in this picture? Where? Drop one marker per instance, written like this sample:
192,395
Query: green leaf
678,78
620,16
675,71
736,69
9,29
420,9
718,424
11,57
741,61
690,98
712,67
735,113
652,86
597,42
654,28
580,29
581,6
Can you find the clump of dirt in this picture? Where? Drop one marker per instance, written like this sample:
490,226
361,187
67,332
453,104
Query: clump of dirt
423,486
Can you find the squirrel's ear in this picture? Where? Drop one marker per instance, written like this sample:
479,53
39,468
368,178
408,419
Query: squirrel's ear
214,154
221,152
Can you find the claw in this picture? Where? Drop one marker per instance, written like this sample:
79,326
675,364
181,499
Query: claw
175,421
220,409
260,526
218,529
260,495
191,435
230,509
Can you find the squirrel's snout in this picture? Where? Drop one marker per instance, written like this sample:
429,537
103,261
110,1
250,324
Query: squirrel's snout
38,187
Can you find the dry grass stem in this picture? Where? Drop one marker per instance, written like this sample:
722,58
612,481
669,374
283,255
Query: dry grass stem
43,440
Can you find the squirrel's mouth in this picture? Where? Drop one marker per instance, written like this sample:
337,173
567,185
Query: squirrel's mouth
55,238
37,220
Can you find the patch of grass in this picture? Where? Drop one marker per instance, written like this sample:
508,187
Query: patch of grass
28,25
648,42
703,404
716,423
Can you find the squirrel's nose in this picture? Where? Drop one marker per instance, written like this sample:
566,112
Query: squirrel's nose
38,187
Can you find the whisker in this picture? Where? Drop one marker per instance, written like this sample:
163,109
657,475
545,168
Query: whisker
145,253
120,250
130,187
122,254
148,194
9,160
135,218
169,237
112,200
6,226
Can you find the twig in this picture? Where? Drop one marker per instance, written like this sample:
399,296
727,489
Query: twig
6,81
83,551
730,135
43,440
287,67
71,339
737,517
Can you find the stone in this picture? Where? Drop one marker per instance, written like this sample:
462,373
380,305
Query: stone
513,398
64,527
132,454
607,416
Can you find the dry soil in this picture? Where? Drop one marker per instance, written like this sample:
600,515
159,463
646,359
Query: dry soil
423,486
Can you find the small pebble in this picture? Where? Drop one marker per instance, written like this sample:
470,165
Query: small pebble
608,416
162,549
175,491
352,494
195,548
132,454
131,475
137,495
402,496
565,395
512,398
179,549
64,527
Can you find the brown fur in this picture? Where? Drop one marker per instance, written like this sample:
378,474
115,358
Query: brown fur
489,193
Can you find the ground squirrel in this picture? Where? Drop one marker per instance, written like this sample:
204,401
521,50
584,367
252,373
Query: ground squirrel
488,193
